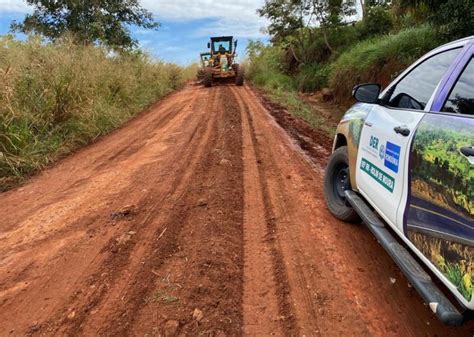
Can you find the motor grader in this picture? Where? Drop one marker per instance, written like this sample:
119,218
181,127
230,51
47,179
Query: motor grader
222,65
205,57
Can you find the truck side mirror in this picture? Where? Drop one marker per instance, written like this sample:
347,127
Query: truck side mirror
208,45
366,93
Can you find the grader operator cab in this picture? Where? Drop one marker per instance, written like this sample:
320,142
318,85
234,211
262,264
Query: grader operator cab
205,57
222,65
204,63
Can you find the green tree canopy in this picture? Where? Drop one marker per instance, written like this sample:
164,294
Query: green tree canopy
89,21
298,23
288,16
455,18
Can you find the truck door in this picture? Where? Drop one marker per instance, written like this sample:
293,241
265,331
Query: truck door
388,131
440,205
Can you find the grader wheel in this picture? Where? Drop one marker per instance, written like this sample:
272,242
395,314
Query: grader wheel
208,78
239,78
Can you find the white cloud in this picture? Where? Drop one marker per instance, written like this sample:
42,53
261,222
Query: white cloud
235,26
13,6
230,17
198,9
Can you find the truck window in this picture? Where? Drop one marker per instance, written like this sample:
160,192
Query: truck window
415,89
461,98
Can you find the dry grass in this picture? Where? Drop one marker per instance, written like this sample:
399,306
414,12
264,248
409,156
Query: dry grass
56,97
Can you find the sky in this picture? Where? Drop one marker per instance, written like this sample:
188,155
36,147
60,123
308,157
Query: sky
186,25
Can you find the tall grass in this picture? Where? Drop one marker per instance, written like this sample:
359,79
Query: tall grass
291,100
313,77
263,68
56,97
379,59
374,60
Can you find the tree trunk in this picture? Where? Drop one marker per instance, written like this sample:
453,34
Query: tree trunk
294,55
362,5
326,41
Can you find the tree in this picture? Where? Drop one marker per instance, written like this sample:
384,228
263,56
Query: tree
376,19
286,17
295,21
454,17
89,21
367,4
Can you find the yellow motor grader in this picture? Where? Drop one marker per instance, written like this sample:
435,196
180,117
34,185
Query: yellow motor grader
205,57
222,65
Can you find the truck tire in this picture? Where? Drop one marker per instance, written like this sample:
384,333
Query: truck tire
208,78
336,181
240,77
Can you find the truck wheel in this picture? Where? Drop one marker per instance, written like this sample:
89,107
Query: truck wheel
336,181
208,78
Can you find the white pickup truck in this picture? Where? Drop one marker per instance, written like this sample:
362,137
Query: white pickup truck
403,162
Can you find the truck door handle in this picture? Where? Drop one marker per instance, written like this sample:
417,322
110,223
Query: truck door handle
468,151
402,130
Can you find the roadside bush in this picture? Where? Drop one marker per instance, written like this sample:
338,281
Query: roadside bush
378,59
455,18
312,77
312,47
405,21
56,97
377,21
264,67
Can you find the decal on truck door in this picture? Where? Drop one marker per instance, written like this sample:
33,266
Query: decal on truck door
378,174
387,154
392,156
440,211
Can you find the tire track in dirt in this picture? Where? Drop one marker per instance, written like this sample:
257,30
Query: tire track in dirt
74,244
262,307
206,277
353,285
104,299
75,170
229,235
309,286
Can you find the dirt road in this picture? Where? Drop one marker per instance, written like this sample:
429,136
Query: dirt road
204,216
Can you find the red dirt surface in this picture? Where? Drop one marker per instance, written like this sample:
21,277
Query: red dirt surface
202,216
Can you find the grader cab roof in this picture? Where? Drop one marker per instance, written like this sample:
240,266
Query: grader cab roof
222,38
224,41
205,54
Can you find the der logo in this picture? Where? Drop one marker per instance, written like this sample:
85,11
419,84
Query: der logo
392,156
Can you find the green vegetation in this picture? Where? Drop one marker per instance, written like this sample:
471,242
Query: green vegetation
265,71
313,77
55,97
87,21
453,18
378,59
314,45
298,108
